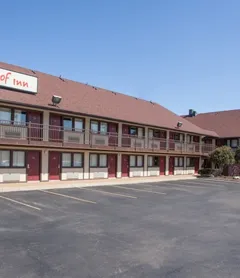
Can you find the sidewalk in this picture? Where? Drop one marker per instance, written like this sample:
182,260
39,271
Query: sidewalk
10,187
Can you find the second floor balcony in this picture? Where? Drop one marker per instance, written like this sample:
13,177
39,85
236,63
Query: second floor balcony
17,133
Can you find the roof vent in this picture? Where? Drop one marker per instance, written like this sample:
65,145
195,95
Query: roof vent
152,102
33,71
114,93
60,77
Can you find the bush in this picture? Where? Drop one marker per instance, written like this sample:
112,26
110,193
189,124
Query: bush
205,171
210,172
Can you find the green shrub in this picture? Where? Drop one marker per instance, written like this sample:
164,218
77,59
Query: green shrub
210,172
205,171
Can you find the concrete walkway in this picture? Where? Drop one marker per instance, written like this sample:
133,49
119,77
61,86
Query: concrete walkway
9,187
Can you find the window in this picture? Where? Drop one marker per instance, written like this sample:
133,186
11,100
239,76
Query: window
98,160
4,158
5,114
178,162
133,131
67,123
93,160
153,161
190,161
72,160
103,128
188,138
234,143
150,133
176,136
77,160
156,133
66,160
18,159
102,160
140,132
12,158
78,124
94,126
136,161
132,160
139,161
20,117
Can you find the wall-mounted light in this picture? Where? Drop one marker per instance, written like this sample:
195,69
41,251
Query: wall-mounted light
56,100
179,124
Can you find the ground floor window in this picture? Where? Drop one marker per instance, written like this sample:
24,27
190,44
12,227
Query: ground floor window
153,161
12,159
72,160
98,160
178,162
190,161
136,161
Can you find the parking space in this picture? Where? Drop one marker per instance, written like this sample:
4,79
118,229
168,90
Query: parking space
166,229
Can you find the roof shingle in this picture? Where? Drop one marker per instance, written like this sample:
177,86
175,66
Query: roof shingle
89,100
224,123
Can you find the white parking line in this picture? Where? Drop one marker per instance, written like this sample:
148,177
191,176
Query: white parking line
109,193
136,189
201,183
20,203
68,196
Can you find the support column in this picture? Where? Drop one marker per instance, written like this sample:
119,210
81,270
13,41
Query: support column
119,134
200,162
185,165
44,165
119,165
145,165
167,138
87,131
46,115
185,148
146,137
86,174
167,166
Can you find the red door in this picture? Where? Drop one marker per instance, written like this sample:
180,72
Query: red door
162,163
196,164
113,136
35,128
33,165
125,165
55,128
171,165
126,140
54,165
112,165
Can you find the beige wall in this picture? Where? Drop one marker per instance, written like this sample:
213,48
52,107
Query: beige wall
98,173
153,171
72,174
136,172
13,175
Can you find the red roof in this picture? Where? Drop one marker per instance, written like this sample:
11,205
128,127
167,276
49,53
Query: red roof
225,123
89,100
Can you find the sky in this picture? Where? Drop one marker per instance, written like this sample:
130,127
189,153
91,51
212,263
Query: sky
181,54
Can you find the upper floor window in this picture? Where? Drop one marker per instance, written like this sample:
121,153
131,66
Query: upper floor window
99,127
133,130
5,114
72,124
16,115
20,116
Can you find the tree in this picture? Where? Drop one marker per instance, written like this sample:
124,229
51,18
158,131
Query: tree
222,156
237,155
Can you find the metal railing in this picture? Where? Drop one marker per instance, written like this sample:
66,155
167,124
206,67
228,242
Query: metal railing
34,133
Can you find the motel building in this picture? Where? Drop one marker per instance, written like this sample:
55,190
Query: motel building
52,128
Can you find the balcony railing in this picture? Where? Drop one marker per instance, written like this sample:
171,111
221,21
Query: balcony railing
38,134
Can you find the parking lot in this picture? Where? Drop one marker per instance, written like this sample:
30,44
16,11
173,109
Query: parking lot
168,229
